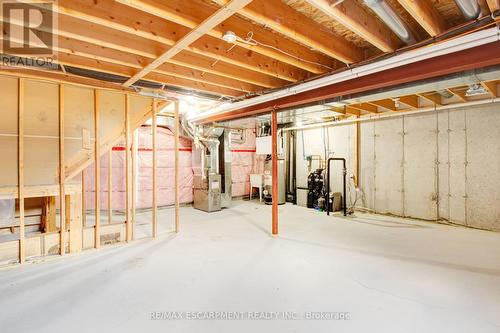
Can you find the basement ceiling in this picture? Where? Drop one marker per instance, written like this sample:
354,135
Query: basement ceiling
455,90
279,43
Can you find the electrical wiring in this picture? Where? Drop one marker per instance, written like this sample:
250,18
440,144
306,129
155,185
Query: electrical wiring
252,41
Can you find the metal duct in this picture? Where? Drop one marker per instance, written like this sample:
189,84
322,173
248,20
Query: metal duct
470,8
387,14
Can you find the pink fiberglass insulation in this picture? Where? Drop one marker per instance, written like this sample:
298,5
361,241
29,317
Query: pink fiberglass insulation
165,172
244,162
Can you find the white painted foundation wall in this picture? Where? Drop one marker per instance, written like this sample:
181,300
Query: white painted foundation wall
435,166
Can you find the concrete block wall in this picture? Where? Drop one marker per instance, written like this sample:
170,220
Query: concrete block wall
434,166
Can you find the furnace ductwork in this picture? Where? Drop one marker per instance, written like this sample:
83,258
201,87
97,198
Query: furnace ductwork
391,19
470,8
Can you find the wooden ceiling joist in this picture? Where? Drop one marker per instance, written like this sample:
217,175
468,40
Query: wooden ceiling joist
491,87
352,111
460,93
167,79
102,54
410,100
205,26
105,14
493,5
432,97
40,74
388,104
292,24
360,21
365,107
98,36
189,14
424,12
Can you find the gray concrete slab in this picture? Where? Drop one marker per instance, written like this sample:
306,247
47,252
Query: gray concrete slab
389,274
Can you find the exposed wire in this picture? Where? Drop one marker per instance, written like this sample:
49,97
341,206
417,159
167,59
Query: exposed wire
252,41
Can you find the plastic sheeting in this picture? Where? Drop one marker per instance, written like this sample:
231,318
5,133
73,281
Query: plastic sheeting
7,211
165,172
244,162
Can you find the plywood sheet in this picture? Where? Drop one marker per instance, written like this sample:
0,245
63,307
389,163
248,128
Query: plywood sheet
34,246
9,252
139,105
8,108
41,114
78,124
41,161
8,169
112,114
420,157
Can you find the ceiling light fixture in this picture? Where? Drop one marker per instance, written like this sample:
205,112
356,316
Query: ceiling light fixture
475,89
230,37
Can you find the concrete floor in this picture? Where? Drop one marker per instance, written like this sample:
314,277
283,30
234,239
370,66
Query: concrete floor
388,274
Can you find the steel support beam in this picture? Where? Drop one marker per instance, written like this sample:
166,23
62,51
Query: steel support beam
478,57
274,134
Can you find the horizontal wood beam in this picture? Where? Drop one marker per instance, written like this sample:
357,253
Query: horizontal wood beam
78,32
170,69
493,5
190,13
115,16
126,71
296,26
424,12
410,100
189,38
491,87
99,53
37,73
388,104
459,93
360,21
365,107
348,109
432,97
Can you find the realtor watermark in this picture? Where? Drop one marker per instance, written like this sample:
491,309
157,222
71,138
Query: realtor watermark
28,28
248,315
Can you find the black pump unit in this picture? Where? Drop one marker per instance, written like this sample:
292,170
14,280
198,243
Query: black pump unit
315,182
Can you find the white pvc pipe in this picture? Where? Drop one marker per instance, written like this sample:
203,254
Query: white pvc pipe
394,114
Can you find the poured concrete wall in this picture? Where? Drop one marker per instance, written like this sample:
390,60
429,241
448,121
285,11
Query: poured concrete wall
434,166
331,142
